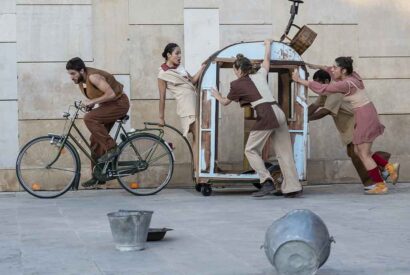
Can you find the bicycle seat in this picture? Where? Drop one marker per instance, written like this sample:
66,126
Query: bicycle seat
123,119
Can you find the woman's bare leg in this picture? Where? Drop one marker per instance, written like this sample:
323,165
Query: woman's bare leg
364,152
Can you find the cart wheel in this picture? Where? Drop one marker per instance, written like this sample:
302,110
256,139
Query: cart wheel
198,187
206,190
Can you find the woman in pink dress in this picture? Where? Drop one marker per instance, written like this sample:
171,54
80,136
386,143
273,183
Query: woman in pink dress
367,123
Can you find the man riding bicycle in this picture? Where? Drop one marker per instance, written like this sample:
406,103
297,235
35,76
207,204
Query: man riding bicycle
99,87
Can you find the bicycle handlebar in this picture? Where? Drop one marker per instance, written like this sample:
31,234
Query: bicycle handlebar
77,104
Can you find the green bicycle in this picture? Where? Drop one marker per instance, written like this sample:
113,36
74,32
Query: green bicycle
49,166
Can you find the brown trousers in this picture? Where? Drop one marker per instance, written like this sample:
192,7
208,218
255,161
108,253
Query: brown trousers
99,122
357,163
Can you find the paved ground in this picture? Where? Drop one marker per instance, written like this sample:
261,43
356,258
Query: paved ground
220,234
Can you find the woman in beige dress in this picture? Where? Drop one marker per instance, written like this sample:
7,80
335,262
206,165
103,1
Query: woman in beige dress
174,78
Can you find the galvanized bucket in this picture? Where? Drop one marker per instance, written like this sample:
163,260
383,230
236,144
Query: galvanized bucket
129,228
298,243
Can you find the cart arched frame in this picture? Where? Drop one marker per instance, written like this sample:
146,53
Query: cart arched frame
292,98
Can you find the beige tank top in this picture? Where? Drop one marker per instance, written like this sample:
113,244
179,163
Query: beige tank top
357,99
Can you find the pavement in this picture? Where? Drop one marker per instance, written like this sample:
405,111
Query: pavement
220,234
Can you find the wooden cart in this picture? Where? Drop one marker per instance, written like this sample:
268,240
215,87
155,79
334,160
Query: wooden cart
292,99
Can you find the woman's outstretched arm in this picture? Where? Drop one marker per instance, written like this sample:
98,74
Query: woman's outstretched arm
195,78
162,87
319,88
223,100
266,59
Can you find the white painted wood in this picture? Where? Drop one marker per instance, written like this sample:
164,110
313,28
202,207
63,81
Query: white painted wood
201,36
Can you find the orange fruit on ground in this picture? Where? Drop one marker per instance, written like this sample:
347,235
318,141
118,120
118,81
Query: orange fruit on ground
36,186
134,185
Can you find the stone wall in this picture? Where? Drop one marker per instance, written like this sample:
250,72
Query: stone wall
126,38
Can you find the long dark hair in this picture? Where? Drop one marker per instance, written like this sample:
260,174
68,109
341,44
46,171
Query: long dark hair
169,49
345,62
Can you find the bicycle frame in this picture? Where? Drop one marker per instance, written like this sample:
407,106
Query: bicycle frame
120,129
138,151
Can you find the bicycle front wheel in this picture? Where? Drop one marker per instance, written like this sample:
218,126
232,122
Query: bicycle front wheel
145,165
47,169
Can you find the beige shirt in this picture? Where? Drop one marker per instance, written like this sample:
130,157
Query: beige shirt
341,112
182,89
261,82
357,99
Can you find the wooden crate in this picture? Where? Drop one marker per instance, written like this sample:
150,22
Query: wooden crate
303,39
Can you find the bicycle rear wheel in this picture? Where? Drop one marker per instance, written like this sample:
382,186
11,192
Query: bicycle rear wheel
145,165
46,170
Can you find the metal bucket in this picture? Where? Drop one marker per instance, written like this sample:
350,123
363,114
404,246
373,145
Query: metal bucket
298,243
129,228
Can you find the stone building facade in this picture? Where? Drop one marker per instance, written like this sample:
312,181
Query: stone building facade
126,38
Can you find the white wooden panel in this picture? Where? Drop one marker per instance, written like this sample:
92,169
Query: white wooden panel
201,36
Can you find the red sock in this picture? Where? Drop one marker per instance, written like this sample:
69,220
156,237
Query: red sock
379,160
374,174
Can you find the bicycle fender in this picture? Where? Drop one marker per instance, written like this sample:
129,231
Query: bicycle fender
170,149
54,135
156,137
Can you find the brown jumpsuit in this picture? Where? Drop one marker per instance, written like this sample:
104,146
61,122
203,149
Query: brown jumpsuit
99,121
